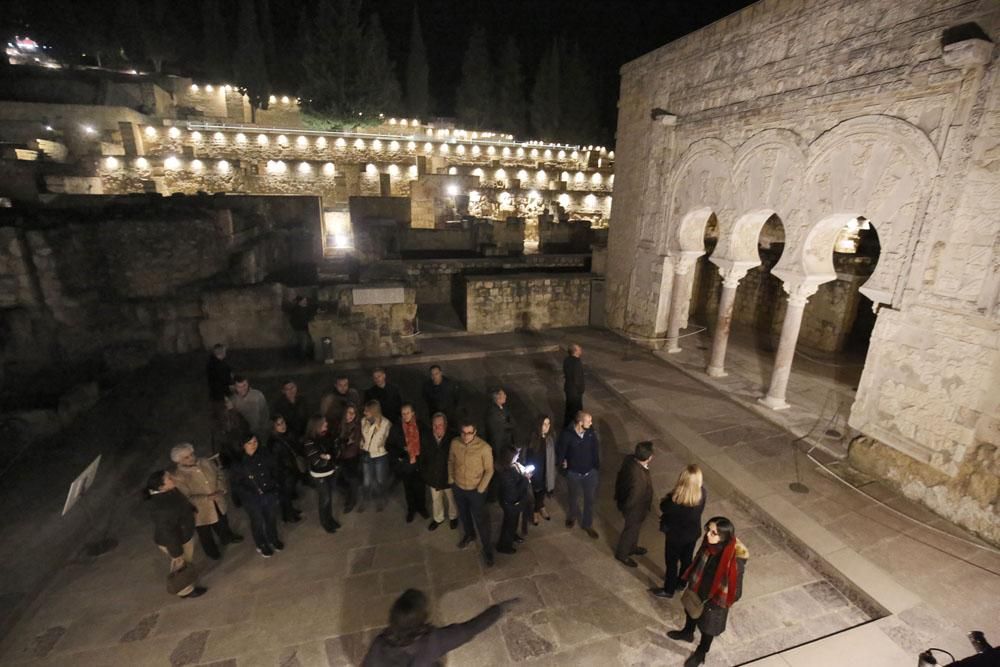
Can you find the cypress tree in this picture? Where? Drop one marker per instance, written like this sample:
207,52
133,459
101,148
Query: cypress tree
546,97
251,70
578,118
511,105
215,41
474,103
418,96
378,87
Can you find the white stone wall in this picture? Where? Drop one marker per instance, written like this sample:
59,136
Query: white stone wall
820,111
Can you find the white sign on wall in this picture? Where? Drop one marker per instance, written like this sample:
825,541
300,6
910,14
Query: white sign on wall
374,296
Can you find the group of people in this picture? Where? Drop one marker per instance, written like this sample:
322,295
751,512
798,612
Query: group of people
354,444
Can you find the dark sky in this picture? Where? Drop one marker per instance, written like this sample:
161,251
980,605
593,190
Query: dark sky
609,32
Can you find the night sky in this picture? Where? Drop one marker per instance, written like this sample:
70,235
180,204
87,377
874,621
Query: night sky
609,32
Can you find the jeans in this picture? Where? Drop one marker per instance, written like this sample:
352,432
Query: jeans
472,512
304,344
263,512
587,485
375,472
438,500
324,493
675,555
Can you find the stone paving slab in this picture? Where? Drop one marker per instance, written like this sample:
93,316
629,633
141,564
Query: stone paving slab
324,597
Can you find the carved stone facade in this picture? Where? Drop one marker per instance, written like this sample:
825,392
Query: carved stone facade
822,112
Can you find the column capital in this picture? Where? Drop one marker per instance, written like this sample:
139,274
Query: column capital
685,261
799,292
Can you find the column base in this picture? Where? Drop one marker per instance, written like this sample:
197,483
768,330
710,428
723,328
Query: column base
673,348
714,372
774,403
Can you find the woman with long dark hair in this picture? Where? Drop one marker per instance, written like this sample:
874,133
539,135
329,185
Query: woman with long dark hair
714,584
542,454
349,445
321,452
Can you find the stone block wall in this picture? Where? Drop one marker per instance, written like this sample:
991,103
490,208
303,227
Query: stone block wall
361,331
249,316
501,303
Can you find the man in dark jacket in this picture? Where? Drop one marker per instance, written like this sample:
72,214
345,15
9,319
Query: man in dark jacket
173,526
411,641
499,425
220,375
441,394
434,450
633,496
386,394
255,477
573,383
300,314
292,406
333,404
579,454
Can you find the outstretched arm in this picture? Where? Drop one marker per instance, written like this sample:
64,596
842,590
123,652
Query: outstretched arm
449,638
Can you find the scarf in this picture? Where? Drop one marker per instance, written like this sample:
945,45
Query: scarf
412,434
723,590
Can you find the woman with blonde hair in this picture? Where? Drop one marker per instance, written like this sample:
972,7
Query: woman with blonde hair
680,521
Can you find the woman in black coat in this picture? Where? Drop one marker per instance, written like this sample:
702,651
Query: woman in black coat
714,584
514,494
173,526
680,521
542,455
284,446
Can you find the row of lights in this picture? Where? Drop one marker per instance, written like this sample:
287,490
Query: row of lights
507,199
209,88
376,144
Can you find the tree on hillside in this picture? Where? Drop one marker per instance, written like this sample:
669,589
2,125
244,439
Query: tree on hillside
511,108
474,100
378,86
546,97
161,35
215,41
331,59
264,23
251,70
578,102
418,96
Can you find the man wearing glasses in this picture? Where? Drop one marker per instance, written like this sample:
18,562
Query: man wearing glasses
470,468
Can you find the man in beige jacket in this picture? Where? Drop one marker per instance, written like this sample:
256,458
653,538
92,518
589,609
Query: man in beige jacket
470,468
204,484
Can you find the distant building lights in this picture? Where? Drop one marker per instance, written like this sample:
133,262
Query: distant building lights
413,122
404,122
301,142
321,143
262,139
564,176
111,162
150,131
574,155
142,163
522,175
272,100
392,121
328,169
371,169
611,179
561,155
564,200
377,145
413,171
89,129
452,190
505,199
541,176
209,88
174,132
282,140
500,174
340,142
241,138
223,167
394,146
196,165
520,152
276,167
611,155
533,195
196,136
547,154
444,149
359,144
393,170
284,99
590,201
411,146
194,87
428,147
460,149
596,179
171,163
475,150
478,172
219,138
506,151
534,152
579,178
452,171
490,150
305,168
473,196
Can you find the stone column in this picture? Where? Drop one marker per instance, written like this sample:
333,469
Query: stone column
720,338
682,267
783,358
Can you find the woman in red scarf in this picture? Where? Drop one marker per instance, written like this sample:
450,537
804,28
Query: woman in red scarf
714,583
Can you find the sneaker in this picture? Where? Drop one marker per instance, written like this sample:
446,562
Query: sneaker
518,539
266,552
197,592
593,533
681,636
278,545
453,523
434,525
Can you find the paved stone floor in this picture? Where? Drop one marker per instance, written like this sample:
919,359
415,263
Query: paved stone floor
320,601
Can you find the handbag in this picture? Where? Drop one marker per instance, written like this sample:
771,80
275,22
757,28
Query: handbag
693,605
181,578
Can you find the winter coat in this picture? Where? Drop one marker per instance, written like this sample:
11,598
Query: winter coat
499,429
255,476
442,397
173,521
197,483
428,645
220,378
573,382
314,450
681,523
434,459
388,398
513,487
713,618
537,456
470,466
633,489
295,414
287,450
582,453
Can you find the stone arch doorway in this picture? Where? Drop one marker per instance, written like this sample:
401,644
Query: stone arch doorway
692,240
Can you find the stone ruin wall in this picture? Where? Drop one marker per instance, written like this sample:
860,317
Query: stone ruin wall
812,108
502,303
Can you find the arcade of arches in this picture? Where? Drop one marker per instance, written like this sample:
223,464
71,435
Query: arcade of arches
776,203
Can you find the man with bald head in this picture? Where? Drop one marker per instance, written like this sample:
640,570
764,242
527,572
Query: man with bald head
579,454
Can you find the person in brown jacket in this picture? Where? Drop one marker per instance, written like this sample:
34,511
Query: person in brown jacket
202,481
634,496
470,469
